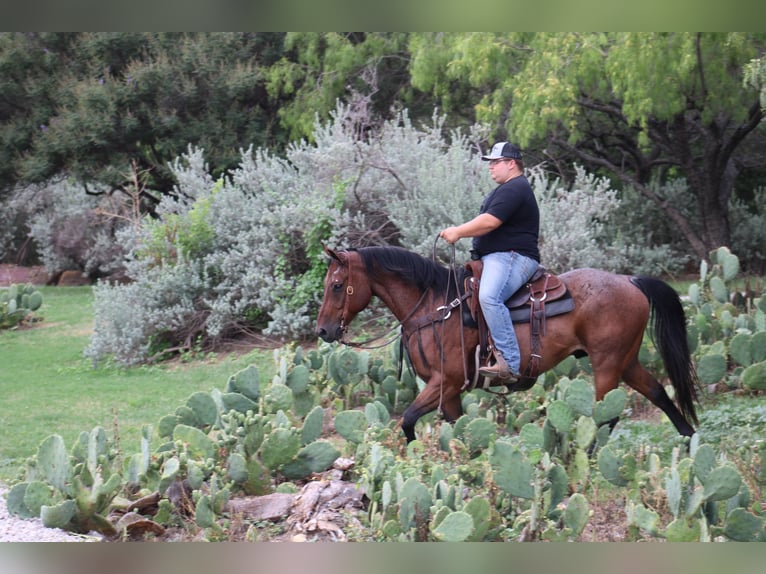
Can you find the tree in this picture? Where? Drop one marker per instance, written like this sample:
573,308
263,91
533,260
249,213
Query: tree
368,71
645,107
88,105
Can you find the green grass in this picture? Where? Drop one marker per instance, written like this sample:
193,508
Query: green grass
48,387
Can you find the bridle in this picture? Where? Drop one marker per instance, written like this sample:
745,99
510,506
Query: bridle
344,315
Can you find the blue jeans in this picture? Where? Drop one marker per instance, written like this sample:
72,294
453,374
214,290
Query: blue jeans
504,273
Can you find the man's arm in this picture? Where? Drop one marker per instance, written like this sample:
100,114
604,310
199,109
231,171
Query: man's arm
478,226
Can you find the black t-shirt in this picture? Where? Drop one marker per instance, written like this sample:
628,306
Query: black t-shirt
514,203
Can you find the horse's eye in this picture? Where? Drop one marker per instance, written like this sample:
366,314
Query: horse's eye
337,286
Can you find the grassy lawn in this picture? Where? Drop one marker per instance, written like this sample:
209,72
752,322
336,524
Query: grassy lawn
48,387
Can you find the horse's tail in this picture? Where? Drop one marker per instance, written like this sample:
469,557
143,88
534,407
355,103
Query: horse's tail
670,338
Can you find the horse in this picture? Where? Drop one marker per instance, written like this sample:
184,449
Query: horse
611,313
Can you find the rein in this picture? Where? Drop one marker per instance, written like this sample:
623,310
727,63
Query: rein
458,302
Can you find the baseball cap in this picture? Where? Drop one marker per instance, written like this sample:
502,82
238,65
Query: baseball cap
503,150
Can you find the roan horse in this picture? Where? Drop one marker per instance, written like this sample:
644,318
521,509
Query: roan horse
607,324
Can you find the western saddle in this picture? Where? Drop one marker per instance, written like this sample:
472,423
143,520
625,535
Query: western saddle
544,295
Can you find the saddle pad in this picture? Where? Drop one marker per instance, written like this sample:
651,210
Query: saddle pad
557,307
521,314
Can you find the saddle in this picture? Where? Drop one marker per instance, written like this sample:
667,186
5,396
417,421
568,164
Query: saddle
544,295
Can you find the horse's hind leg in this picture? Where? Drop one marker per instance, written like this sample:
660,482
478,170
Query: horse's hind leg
637,377
435,395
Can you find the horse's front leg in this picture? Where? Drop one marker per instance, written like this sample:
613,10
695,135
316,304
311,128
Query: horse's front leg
438,394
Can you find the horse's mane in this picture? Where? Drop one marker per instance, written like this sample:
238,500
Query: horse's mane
410,266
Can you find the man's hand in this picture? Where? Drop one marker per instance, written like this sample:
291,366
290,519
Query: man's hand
450,234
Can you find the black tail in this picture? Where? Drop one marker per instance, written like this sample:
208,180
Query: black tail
670,338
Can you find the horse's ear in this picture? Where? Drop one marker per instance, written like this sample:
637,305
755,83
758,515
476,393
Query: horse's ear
333,254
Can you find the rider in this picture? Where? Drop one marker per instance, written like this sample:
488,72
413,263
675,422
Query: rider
505,237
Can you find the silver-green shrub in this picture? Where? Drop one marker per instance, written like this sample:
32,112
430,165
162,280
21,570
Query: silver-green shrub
68,227
586,223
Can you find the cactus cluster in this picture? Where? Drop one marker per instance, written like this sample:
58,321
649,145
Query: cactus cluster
520,468
72,490
17,303
727,329
538,476
706,497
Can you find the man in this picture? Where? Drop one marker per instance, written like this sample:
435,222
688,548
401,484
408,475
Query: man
505,237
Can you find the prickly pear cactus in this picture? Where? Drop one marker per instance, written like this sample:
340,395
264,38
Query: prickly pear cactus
580,396
741,349
616,468
754,377
454,527
560,415
245,382
512,472
53,462
721,483
610,407
17,303
577,514
478,434
347,367
351,425
414,504
711,368
744,526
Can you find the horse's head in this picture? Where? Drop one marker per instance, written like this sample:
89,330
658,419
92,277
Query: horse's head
346,292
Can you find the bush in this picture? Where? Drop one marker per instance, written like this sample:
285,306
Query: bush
584,225
68,227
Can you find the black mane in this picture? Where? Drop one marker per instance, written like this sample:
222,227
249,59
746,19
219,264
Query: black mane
410,266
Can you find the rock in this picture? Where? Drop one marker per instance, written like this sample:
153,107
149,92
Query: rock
73,279
136,527
274,506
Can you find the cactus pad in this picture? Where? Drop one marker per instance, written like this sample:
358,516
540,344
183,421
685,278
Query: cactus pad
53,461
245,382
59,515
455,527
279,447
315,457
512,472
577,513
744,526
754,377
740,349
560,415
711,368
312,425
610,407
351,425
580,396
723,482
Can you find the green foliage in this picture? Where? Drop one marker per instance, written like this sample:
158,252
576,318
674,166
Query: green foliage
101,100
322,67
576,90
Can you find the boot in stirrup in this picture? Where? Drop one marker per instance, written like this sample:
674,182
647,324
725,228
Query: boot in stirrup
500,370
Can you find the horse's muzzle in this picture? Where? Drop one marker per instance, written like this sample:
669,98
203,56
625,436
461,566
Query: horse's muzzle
328,336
